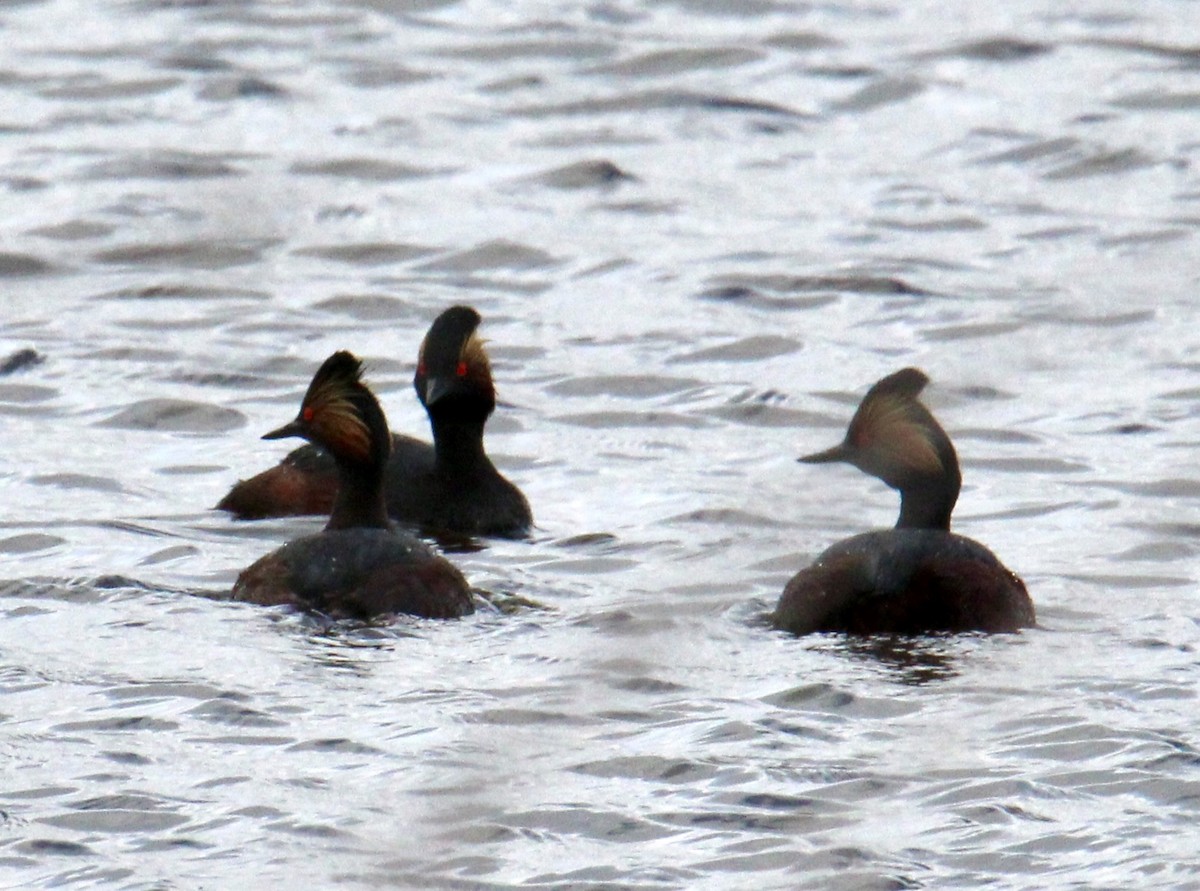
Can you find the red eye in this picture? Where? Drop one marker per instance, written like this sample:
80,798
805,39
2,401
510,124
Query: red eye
307,413
461,370
421,368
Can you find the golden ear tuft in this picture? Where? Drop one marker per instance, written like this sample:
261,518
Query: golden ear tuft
475,356
893,423
332,409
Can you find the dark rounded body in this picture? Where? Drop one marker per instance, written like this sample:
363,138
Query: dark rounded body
905,581
358,573
470,500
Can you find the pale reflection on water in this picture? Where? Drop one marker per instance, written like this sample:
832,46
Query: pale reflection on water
697,232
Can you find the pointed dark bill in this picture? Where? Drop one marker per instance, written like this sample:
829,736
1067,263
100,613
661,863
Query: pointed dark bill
295,428
839,452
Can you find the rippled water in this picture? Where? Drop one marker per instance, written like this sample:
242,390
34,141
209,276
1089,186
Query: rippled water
697,231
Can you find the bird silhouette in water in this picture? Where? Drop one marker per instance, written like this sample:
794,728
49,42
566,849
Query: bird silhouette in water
359,566
918,577
449,486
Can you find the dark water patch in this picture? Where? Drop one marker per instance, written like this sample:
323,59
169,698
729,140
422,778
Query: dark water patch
74,230
124,724
713,818
38,588
225,379
1153,100
307,830
1056,233
21,183
1034,149
945,224
751,297
626,386
21,360
756,413
561,48
589,566
1131,582
736,9
211,254
1164,488
656,100
1029,465
649,686
117,820
1187,56
127,758
78,481
228,710
373,75
648,767
167,555
586,822
673,62
995,434
29,543
583,175
971,332
746,349
53,848
365,169
913,662
734,517
1102,162
176,416
88,88
198,60
524,717
864,284
162,691
22,265
168,165
183,291
1097,320
499,253
485,285
1157,552
243,86
244,739
801,41
41,792
826,699
1134,239
999,49
370,308
641,208
603,540
881,92
841,72
367,253
599,420
340,745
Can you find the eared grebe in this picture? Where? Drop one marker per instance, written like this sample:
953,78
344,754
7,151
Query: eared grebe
450,486
919,577
359,566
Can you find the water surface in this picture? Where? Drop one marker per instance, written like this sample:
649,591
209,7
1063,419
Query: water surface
697,231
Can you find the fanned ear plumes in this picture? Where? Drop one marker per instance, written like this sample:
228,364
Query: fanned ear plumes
894,437
473,359
896,430
332,406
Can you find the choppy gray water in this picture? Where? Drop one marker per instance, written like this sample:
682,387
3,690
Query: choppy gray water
697,231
